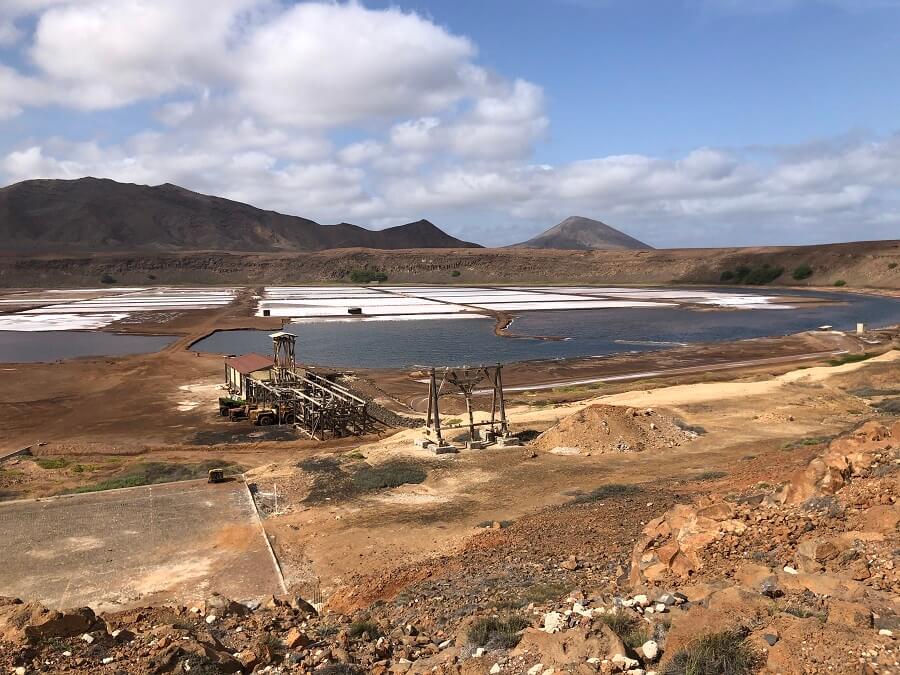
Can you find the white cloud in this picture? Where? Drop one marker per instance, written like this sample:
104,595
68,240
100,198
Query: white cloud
248,95
328,64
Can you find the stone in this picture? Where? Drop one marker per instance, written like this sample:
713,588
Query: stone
536,669
87,637
248,659
295,638
770,639
886,632
624,663
495,669
650,649
641,600
552,622
769,588
570,564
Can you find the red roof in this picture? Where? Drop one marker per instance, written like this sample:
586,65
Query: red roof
250,363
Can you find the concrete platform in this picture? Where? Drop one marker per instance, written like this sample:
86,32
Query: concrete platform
123,548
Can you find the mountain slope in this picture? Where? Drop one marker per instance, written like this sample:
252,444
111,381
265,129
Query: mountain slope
583,234
103,215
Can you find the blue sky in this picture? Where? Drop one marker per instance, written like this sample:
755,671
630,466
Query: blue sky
683,122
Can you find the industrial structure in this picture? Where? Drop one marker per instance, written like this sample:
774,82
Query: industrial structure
463,381
311,403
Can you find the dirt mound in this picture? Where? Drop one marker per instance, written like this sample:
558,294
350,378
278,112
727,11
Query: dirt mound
601,429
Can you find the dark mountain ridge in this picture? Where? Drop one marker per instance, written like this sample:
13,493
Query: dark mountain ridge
583,234
98,214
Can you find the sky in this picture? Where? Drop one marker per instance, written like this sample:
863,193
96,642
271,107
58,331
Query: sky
685,123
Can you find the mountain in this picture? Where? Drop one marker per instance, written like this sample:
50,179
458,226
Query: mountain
583,234
96,214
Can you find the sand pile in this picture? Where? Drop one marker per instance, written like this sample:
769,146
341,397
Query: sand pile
608,428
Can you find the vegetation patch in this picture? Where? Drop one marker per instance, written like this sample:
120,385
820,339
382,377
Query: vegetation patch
631,630
107,279
753,276
333,478
684,426
367,276
802,272
849,358
609,491
153,473
725,653
52,462
709,475
359,628
840,282
497,632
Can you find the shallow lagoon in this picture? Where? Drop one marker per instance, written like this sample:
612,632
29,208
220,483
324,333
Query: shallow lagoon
594,332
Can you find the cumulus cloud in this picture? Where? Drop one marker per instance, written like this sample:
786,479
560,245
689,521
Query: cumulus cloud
255,100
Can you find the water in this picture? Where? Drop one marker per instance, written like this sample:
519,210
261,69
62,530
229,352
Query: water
37,346
396,344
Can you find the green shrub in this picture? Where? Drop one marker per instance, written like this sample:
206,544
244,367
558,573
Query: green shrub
631,630
496,632
840,282
753,276
52,462
455,273
892,266
107,278
724,653
802,272
357,628
367,276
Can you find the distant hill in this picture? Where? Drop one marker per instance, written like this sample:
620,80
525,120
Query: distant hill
583,234
94,214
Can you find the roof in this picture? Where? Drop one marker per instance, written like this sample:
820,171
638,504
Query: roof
250,363
282,334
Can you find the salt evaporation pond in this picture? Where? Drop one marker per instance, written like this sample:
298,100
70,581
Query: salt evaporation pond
38,346
593,332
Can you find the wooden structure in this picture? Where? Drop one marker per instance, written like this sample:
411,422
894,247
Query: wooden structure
465,380
314,404
240,369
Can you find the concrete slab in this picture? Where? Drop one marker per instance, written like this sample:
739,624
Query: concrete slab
123,548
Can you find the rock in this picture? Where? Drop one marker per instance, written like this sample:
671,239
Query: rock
478,653
33,622
886,632
495,669
624,663
570,564
850,614
248,659
770,639
295,638
552,622
536,669
650,650
87,637
641,600
769,588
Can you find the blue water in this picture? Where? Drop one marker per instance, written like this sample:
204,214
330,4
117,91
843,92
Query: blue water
596,332
52,345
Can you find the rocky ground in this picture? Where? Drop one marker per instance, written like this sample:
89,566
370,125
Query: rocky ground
796,575
609,428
